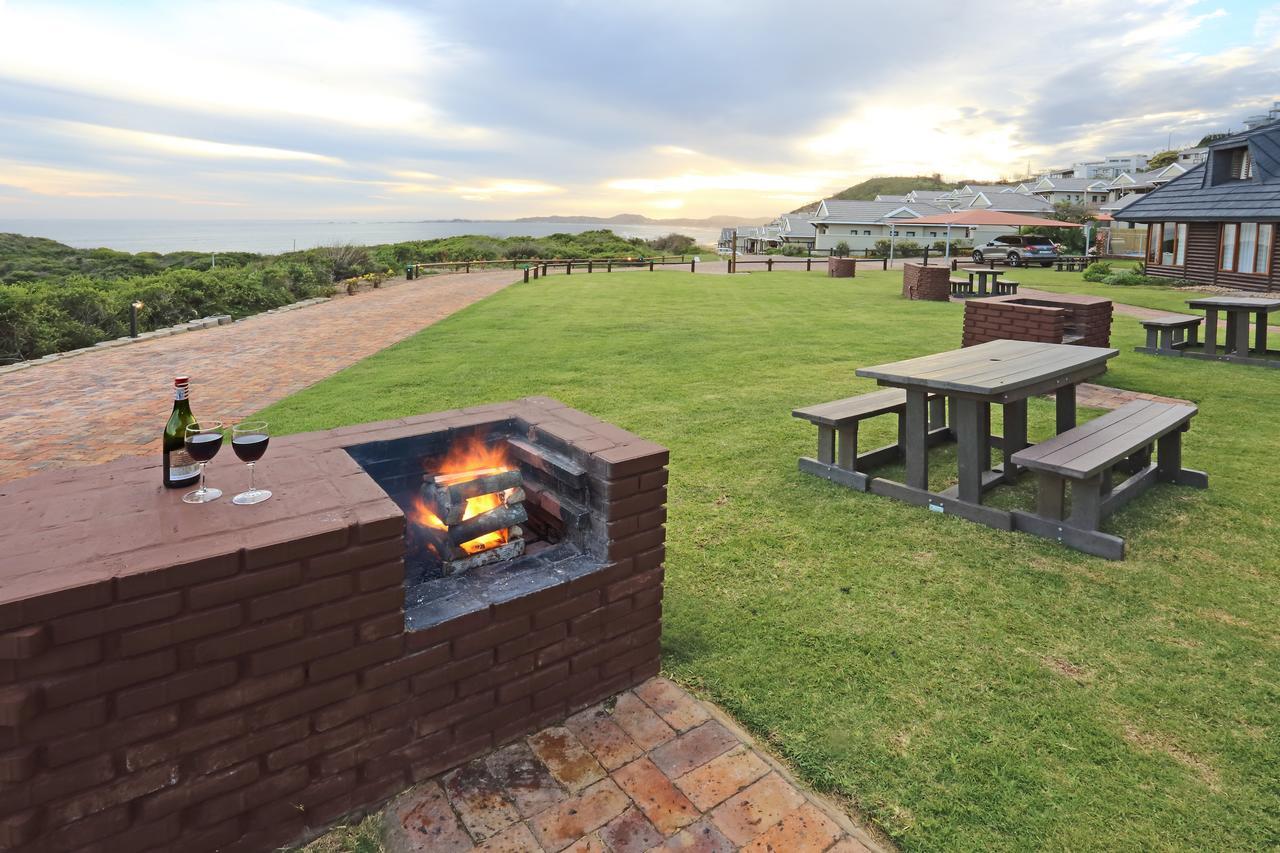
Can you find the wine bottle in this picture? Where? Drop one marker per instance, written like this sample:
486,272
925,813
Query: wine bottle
180,470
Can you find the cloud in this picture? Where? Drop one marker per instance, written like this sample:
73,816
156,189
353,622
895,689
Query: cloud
182,146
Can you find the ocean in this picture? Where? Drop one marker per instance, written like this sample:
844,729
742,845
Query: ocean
272,236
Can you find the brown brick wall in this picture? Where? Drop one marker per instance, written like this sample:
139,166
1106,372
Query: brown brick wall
1043,319
922,282
247,700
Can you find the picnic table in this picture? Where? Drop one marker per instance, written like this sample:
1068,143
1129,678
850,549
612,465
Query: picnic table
982,273
1238,310
948,396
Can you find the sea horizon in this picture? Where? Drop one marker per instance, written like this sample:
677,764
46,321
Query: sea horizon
272,236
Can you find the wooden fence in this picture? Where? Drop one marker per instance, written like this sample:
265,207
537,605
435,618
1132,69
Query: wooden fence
412,271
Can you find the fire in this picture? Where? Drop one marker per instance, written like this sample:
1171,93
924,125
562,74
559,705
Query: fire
468,459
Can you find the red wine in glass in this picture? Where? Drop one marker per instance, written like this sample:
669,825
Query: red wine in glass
249,441
203,443
249,448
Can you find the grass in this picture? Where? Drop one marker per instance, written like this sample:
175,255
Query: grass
966,689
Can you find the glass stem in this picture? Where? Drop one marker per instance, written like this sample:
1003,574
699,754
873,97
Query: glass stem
253,487
202,478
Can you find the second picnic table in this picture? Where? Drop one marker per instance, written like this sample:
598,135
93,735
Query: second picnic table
1238,309
1003,372
982,273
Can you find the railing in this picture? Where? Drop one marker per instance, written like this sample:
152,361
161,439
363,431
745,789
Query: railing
412,271
783,260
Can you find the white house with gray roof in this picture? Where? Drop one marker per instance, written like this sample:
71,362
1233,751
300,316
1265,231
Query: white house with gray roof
861,223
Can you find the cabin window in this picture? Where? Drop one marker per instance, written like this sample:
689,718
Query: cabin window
1246,247
1167,244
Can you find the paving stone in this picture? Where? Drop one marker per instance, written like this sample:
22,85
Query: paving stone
641,722
805,830
630,832
561,825
693,749
596,729
721,778
567,759
590,844
676,707
664,805
478,799
848,844
745,815
514,839
420,821
527,782
700,837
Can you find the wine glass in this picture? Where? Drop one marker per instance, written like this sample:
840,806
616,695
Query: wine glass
203,443
249,441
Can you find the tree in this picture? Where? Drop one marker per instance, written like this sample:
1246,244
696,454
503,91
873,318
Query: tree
1164,158
1210,138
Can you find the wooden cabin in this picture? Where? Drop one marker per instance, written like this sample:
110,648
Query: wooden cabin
1219,223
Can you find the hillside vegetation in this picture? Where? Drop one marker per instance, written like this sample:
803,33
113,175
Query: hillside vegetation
893,185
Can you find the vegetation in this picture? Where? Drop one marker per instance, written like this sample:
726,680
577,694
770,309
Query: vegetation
55,298
1162,159
791,250
841,250
896,185
967,689
1210,138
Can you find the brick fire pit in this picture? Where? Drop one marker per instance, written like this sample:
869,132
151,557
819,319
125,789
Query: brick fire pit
1052,319
179,676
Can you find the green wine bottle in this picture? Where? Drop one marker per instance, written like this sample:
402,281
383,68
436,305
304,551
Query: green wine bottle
180,470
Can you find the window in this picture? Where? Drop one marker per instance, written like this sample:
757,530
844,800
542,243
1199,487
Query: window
867,233
911,233
1246,247
1167,244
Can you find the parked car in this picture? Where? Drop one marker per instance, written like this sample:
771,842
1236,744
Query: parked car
1018,249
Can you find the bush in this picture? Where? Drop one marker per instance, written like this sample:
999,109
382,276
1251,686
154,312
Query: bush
899,248
1097,271
795,250
841,250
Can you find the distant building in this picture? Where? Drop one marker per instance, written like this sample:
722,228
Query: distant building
1109,167
1090,192
1188,157
861,223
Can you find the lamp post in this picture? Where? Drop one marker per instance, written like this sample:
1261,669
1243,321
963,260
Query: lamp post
133,317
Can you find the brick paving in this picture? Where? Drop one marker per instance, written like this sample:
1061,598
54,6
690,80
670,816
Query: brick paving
102,406
651,770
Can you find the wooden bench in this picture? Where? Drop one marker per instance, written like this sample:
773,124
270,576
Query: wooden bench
961,287
1004,287
1087,456
1171,332
837,421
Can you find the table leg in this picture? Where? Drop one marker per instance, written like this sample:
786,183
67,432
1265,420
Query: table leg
1261,334
915,445
1015,436
1210,331
985,426
982,284
1240,343
1066,400
971,444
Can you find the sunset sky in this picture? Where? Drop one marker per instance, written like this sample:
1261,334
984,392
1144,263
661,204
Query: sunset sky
498,109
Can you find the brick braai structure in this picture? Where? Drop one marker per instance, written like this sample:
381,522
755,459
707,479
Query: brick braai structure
922,282
1060,318
224,677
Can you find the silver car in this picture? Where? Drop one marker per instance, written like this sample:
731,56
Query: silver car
1018,249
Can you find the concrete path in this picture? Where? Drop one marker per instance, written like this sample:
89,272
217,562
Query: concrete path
101,406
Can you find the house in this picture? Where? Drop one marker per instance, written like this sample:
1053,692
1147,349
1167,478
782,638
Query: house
796,229
1090,192
1216,224
1188,157
861,223
1009,202
1109,167
1142,182
900,199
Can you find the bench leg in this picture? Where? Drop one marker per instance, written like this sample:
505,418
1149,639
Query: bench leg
937,413
1210,331
1135,462
1086,503
1169,457
1015,436
1106,482
985,411
1166,340
1152,337
1193,336
847,447
1066,404
1050,495
912,428
826,444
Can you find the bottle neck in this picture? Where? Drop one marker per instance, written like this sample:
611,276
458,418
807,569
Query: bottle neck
180,402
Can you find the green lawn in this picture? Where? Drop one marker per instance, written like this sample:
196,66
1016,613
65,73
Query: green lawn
1162,298
964,688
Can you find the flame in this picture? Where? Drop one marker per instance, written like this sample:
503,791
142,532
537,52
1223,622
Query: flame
470,457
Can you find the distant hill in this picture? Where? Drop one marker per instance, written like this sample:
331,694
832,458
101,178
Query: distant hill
640,219
894,185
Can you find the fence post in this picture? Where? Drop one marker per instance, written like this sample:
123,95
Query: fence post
884,264
650,266
926,256
769,263
692,264
808,264
468,266
608,266
568,268
526,275
590,266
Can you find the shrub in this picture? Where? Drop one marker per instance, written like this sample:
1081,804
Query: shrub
841,250
1097,271
795,250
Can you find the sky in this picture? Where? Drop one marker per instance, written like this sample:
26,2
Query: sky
265,109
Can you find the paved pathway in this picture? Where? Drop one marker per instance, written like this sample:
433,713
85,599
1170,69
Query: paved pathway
101,406
652,769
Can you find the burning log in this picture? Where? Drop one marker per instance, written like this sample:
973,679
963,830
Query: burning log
449,493
504,516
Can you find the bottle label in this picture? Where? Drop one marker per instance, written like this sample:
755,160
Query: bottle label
181,465
180,392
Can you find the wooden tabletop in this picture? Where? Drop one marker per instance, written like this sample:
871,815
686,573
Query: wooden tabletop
983,270
1250,303
990,369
